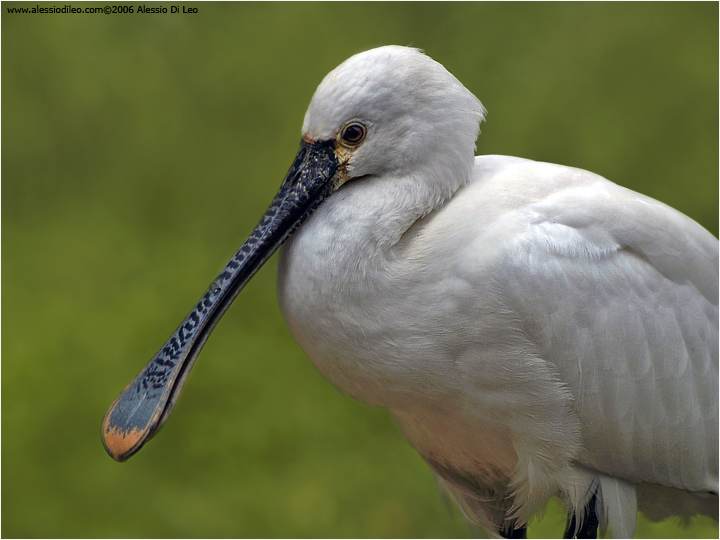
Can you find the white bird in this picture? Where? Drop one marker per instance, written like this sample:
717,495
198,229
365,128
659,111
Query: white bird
535,330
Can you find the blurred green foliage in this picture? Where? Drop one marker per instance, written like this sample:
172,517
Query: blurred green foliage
137,153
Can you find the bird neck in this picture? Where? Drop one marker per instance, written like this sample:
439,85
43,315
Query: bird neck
372,214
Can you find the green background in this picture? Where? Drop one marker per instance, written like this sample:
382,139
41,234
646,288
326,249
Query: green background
137,153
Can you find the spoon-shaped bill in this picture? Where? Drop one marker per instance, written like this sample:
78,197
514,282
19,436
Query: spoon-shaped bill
146,403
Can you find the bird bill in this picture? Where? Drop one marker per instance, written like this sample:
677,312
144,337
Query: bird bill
146,403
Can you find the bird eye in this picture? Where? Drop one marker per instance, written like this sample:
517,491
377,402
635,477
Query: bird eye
353,134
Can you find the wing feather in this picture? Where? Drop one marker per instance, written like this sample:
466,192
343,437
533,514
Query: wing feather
619,293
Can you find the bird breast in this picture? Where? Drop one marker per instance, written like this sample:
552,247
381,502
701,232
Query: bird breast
395,307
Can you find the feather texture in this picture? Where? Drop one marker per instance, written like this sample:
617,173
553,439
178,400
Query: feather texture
535,329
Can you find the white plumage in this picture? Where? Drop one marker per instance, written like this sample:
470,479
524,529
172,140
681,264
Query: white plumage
534,329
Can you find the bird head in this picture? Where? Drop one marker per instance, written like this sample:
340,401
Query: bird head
392,111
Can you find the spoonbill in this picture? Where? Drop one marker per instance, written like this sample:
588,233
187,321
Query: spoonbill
535,329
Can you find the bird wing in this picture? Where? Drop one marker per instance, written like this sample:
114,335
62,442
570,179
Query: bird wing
620,294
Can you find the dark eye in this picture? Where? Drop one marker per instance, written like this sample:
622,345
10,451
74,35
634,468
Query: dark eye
353,133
